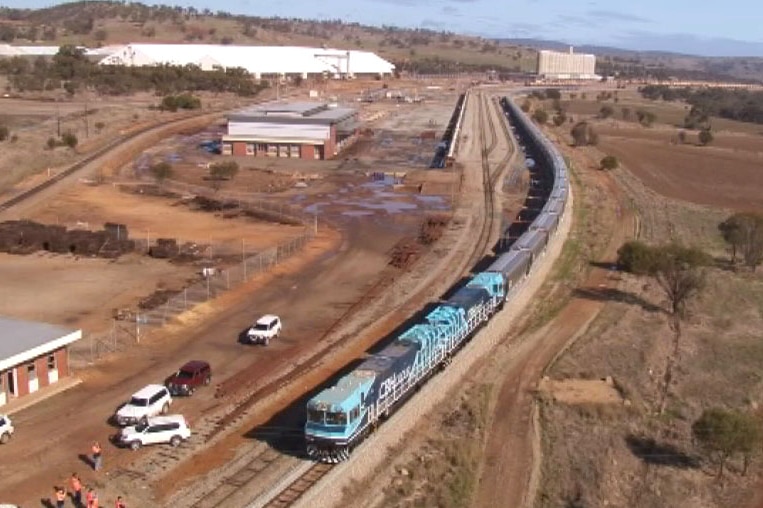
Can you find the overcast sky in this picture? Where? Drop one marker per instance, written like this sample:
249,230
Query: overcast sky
730,27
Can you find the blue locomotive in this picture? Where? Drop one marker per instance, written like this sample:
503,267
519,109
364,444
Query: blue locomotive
339,417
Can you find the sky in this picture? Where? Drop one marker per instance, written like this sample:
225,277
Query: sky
704,27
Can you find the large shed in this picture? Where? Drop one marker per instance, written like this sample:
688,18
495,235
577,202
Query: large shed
32,356
306,130
260,61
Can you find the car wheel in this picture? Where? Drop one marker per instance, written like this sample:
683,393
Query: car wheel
165,408
5,438
135,445
175,441
207,380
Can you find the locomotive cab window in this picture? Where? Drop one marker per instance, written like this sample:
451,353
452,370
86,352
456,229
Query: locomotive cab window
354,413
336,418
315,416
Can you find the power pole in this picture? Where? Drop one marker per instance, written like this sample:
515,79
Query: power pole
87,127
58,119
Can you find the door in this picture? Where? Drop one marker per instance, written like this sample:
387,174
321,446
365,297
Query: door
2,391
34,383
11,383
52,369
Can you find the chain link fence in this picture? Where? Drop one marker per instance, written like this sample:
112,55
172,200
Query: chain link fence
131,327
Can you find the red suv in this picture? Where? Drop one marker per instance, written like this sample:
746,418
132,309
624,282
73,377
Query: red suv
190,376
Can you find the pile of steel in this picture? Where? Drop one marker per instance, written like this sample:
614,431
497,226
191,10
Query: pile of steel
26,237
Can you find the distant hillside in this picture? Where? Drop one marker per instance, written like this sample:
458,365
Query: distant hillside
106,22
660,62
424,51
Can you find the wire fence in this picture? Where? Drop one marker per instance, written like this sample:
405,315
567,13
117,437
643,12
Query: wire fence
132,326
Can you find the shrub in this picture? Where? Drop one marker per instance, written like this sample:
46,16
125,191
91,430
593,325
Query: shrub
606,111
583,135
4,132
69,139
540,116
705,137
636,257
51,143
161,171
609,162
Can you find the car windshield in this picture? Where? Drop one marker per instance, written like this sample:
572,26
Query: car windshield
137,401
141,427
184,374
336,418
260,326
315,416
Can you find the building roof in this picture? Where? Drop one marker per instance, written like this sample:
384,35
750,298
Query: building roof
293,113
255,59
21,341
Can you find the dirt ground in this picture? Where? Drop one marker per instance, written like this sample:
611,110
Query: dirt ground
371,217
628,455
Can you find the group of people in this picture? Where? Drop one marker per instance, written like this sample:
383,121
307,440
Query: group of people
91,497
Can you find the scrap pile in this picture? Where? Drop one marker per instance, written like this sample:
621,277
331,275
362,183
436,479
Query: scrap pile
26,237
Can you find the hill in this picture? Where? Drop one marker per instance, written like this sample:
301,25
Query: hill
101,23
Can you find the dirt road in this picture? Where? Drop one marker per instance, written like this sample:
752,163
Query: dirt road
511,458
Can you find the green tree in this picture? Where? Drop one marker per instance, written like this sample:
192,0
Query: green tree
161,171
705,137
540,116
560,118
635,257
69,139
743,231
583,135
609,162
723,434
646,118
51,143
606,111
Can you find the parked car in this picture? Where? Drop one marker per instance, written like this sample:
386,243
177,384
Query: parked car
146,402
172,429
266,328
6,429
189,377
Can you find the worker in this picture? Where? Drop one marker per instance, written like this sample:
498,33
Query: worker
76,489
60,494
97,457
120,503
91,498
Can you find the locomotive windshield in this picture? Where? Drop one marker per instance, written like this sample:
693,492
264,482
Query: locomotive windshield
336,418
315,416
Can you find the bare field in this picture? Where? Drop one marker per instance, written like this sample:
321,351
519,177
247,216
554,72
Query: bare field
156,217
81,292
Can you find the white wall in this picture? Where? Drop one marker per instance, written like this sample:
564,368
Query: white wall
276,130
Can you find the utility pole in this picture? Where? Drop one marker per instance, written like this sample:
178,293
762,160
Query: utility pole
87,126
58,119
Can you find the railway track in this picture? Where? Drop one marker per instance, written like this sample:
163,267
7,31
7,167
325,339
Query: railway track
123,138
297,488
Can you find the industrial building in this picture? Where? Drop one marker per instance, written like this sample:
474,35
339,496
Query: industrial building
260,61
32,356
570,65
305,130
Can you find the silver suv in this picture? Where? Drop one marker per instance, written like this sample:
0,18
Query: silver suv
146,402
172,429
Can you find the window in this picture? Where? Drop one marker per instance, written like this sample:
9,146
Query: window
336,418
250,149
355,413
315,416
52,362
31,371
135,401
185,374
158,395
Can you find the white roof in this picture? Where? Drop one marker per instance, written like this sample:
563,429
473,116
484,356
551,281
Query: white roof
8,50
255,59
266,319
147,391
21,341
166,419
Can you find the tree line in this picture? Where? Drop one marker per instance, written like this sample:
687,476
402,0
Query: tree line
741,105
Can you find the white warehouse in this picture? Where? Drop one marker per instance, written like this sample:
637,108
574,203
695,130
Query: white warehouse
260,61
559,65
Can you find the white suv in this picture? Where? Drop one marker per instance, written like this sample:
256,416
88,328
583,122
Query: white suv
266,328
172,429
149,401
6,429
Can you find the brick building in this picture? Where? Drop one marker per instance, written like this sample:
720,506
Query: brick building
32,356
304,130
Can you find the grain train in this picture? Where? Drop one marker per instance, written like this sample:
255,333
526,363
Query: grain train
339,417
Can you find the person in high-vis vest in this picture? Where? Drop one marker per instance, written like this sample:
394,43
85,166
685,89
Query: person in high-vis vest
76,489
91,498
60,494
120,503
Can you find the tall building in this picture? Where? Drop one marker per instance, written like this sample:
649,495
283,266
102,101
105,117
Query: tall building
571,65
